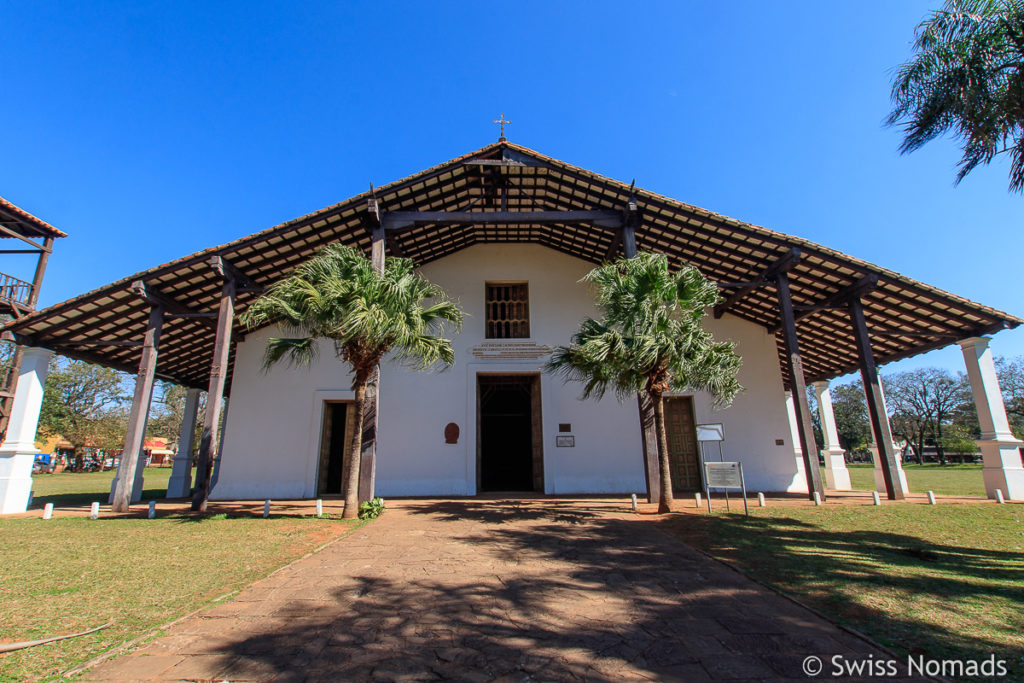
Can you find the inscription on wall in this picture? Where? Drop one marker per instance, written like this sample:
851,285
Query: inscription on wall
510,350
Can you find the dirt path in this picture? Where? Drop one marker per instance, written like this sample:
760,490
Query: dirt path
484,589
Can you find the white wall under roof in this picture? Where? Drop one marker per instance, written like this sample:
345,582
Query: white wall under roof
272,439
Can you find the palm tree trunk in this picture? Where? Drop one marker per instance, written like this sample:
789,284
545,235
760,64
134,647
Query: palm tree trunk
666,502
351,510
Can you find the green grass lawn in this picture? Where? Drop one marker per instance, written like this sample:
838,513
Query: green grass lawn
67,575
951,480
944,581
65,489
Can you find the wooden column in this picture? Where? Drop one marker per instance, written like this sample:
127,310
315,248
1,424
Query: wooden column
798,387
648,434
136,433
371,406
218,377
876,403
37,278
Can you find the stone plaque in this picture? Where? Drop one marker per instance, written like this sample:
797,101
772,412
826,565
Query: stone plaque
507,349
563,441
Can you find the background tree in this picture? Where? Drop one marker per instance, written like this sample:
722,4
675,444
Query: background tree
81,403
851,412
649,339
924,403
338,296
1011,380
967,78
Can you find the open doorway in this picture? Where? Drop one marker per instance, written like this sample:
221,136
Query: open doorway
509,445
333,443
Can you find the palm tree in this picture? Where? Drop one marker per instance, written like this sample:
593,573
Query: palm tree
339,296
649,339
967,77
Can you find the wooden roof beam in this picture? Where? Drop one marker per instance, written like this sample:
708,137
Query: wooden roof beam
171,306
397,221
781,265
228,271
838,299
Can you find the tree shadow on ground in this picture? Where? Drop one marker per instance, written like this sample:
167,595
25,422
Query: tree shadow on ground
833,569
565,592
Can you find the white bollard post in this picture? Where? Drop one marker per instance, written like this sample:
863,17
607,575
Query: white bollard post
931,498
696,497
319,507
874,497
999,496
152,509
48,511
633,500
817,498
266,508
760,499
94,511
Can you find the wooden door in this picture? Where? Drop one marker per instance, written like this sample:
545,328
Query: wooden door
683,454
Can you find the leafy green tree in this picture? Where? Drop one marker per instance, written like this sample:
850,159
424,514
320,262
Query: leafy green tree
1011,381
83,403
649,339
338,296
967,78
851,412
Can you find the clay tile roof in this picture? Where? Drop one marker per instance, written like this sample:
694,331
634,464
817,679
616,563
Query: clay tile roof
905,317
24,223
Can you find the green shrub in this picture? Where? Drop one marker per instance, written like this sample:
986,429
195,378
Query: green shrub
371,509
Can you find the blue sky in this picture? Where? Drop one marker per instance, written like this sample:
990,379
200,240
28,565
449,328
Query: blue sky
151,130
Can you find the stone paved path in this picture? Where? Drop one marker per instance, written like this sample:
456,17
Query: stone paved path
481,590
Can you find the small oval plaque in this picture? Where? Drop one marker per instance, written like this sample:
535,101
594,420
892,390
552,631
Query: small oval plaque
451,433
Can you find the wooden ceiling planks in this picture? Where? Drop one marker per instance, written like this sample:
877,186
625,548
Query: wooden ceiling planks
520,179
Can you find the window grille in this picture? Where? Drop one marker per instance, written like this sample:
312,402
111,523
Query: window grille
508,311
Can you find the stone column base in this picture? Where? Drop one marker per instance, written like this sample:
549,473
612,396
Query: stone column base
16,477
837,477
1003,469
180,483
137,485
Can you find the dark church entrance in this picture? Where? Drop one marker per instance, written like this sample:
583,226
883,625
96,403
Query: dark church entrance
509,445
332,447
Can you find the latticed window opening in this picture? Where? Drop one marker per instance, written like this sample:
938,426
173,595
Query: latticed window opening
508,311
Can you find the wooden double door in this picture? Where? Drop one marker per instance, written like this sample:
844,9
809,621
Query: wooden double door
683,449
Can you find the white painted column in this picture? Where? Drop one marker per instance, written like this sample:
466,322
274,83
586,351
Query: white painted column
180,483
1000,450
18,451
800,479
837,477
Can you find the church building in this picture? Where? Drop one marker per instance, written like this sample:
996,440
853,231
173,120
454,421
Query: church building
508,233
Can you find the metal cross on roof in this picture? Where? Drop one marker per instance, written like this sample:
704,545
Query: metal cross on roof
502,121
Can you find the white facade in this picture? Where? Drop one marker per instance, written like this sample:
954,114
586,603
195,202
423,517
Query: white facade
272,439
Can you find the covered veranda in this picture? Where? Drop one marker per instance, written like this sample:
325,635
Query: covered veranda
831,314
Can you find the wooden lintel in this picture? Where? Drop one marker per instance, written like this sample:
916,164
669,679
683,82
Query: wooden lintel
839,299
753,283
11,233
403,220
156,297
780,265
914,333
199,314
226,270
945,340
93,342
